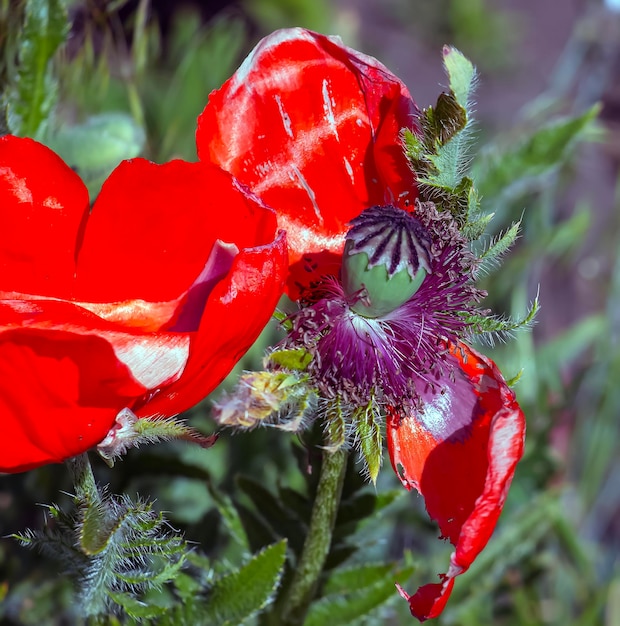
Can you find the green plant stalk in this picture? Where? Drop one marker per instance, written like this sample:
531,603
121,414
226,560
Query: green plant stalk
319,538
86,491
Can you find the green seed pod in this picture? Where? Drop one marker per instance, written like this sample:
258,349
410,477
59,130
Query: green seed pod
386,259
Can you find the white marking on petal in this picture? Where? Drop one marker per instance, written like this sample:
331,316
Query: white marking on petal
264,168
52,203
286,120
19,186
436,412
310,192
153,365
349,169
328,108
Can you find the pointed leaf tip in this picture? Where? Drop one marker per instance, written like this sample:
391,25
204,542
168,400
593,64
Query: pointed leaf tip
462,74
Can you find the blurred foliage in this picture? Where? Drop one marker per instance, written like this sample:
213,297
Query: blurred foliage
554,559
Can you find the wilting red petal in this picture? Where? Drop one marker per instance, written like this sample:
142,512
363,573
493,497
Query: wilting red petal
66,374
460,454
237,310
43,203
312,127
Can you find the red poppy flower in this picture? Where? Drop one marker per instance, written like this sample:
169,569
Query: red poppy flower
313,128
144,303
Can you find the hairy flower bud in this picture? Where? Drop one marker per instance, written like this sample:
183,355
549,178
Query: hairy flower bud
386,259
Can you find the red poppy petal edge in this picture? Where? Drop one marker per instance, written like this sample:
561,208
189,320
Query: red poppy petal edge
465,477
43,204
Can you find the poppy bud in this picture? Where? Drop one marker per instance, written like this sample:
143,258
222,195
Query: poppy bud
386,259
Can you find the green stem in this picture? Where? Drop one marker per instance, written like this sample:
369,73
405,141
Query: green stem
319,538
86,490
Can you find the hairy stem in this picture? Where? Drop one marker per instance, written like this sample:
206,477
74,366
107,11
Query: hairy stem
319,538
86,490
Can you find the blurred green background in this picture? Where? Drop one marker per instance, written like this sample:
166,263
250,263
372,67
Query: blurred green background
554,559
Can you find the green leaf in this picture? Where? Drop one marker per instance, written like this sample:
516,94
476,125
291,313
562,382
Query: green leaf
348,579
499,246
243,592
230,516
284,522
513,168
339,608
32,94
462,75
501,327
136,608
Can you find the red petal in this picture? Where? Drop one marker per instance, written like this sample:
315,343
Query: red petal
153,227
312,127
237,310
66,374
460,454
43,202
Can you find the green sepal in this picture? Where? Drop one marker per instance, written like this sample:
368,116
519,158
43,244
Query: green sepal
129,432
291,359
438,151
368,432
284,320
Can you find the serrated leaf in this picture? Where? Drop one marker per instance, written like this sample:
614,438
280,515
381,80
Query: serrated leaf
500,326
244,592
136,608
33,92
512,168
339,609
499,246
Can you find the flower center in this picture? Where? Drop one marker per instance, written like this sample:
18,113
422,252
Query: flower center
386,258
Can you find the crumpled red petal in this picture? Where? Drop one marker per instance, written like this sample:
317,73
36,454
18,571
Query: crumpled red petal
461,455
44,203
312,127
